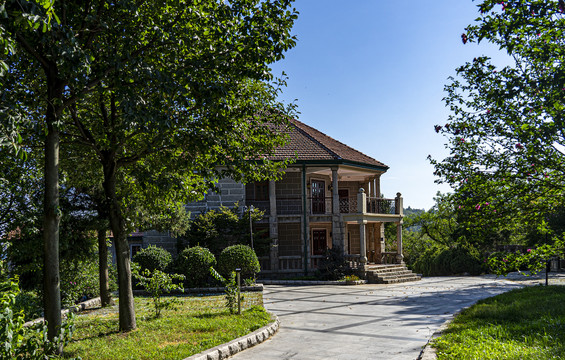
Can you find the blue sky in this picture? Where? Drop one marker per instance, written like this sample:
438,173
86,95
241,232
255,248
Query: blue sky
371,74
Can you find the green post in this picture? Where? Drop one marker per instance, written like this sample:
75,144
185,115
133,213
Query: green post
304,215
238,272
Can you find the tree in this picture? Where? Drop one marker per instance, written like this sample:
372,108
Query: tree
159,99
506,131
218,229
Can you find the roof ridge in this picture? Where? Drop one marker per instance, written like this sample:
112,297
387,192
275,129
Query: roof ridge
305,133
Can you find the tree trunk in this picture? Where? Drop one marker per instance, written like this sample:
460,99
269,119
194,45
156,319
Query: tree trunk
51,284
117,224
105,298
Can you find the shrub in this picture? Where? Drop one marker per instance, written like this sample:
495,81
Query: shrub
153,258
79,281
230,289
333,265
194,263
25,342
438,261
238,256
30,304
156,283
218,229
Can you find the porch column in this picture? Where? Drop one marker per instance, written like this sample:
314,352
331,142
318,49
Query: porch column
378,186
362,242
337,227
400,211
273,227
399,256
335,193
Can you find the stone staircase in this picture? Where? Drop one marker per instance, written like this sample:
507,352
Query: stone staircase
389,274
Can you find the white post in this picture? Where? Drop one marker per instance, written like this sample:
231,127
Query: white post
362,242
399,256
400,211
361,201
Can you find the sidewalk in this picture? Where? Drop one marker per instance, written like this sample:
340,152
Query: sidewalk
366,321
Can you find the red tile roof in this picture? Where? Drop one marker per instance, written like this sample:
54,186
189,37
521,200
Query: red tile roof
309,144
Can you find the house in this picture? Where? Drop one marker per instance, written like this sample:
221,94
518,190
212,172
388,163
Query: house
329,197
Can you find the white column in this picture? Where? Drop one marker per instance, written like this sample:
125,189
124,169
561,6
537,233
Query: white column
399,256
337,230
335,193
361,201
362,242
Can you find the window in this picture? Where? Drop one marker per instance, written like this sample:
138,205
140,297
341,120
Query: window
262,190
318,197
134,249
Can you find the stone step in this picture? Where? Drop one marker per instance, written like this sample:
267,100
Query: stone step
399,276
402,280
390,274
388,271
384,266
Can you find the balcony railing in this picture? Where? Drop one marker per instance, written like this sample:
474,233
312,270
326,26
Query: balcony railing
381,206
320,205
348,205
324,206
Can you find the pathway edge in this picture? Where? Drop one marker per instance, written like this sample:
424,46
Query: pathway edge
233,347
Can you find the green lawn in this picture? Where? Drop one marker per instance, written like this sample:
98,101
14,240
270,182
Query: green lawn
527,323
198,324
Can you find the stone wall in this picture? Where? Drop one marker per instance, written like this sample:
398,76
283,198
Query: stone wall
352,186
354,237
231,192
162,240
289,239
290,186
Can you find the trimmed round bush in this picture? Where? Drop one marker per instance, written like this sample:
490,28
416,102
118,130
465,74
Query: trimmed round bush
238,256
153,258
194,263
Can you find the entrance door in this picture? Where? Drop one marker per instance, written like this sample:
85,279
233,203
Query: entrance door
318,197
319,241
343,200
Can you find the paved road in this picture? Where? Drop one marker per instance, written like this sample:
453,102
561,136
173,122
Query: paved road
365,321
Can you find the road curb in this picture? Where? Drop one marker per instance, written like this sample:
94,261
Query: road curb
245,342
311,282
88,304
429,352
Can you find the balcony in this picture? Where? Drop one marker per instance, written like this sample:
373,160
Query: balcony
324,206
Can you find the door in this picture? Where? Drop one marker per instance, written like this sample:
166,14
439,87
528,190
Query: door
343,200
319,241
318,197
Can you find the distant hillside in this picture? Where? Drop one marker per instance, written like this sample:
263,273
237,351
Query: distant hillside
409,211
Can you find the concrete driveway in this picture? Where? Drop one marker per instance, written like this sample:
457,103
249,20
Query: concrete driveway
366,321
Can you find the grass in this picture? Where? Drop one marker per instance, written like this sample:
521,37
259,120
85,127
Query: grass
199,323
527,323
